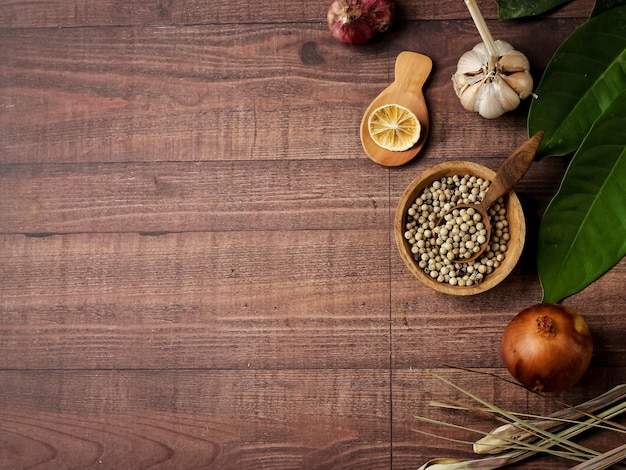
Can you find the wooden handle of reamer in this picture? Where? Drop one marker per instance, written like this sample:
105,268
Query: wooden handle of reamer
512,170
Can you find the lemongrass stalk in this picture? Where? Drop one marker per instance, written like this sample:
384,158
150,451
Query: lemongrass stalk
511,430
490,463
512,447
486,463
509,458
604,460
551,438
485,34
499,439
506,443
547,440
612,396
493,444
523,447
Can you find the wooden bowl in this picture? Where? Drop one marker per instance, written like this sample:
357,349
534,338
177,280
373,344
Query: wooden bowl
515,217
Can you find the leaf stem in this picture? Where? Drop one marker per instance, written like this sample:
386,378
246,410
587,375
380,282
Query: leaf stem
485,35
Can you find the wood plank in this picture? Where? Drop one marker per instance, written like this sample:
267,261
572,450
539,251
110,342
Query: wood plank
195,419
188,94
158,198
197,262
44,13
306,299
430,330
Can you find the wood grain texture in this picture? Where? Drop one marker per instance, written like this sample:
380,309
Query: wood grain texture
158,198
195,419
224,300
44,13
233,94
197,263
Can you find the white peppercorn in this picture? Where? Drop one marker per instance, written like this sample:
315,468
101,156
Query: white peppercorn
437,248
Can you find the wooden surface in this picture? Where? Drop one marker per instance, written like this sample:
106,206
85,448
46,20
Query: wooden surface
197,262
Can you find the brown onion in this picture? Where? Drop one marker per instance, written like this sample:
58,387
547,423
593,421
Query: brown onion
358,21
547,347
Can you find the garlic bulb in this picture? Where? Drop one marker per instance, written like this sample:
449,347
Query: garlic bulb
492,77
492,93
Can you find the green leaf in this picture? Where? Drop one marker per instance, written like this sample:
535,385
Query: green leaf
601,6
512,9
584,76
583,231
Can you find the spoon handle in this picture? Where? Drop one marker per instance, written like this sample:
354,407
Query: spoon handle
512,170
411,71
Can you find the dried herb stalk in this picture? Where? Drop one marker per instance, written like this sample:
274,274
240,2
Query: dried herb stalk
521,439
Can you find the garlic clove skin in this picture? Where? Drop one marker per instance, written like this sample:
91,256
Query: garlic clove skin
468,93
492,93
514,61
504,48
470,63
522,83
515,70
495,98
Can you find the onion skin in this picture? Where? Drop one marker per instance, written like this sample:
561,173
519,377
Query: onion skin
358,21
547,347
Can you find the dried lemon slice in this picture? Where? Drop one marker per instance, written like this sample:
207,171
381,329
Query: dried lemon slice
394,127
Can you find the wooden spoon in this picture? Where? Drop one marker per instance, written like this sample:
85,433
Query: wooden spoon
412,70
511,171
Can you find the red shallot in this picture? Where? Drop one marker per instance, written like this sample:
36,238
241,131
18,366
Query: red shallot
358,21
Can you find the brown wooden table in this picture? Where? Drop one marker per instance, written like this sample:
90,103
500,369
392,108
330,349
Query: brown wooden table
197,261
